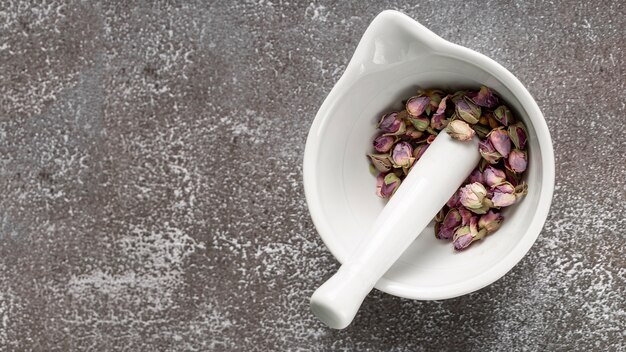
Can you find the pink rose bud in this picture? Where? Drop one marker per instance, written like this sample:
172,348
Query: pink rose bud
518,135
503,115
500,200
472,195
390,123
517,161
466,216
419,151
421,123
486,98
476,176
390,184
503,195
383,144
460,130
439,120
500,140
493,176
467,110
381,162
415,106
490,221
512,177
465,235
455,200
449,225
412,133
462,238
402,155
488,152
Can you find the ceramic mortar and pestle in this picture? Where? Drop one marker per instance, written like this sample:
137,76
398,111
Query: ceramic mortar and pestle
391,245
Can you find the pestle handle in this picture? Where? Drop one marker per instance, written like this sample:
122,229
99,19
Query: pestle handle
432,181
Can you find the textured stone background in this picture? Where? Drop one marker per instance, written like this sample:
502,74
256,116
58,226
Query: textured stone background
150,174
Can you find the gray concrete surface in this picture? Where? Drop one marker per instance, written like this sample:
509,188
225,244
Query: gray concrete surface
151,184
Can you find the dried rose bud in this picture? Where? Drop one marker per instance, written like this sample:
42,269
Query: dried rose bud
421,123
435,99
460,130
486,98
383,144
431,139
476,176
481,131
462,238
492,122
517,161
500,140
466,216
472,195
488,152
518,135
441,214
412,133
490,221
467,110
503,195
493,176
381,162
512,177
449,225
402,155
503,115
455,200
390,123
465,235
380,181
419,151
458,96
439,120
390,184
415,106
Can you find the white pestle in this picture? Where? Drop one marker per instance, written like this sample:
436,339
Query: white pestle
432,181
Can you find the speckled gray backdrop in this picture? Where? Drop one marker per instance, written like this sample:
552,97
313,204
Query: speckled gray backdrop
151,184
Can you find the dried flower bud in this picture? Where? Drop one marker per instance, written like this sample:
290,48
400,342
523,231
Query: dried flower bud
439,120
402,155
517,161
493,176
503,115
412,133
481,131
488,152
486,98
419,151
421,123
389,185
415,106
503,195
466,216
467,110
518,135
503,199
383,144
450,223
458,96
490,221
431,139
460,130
476,176
381,162
512,177
499,138
462,238
472,195
455,200
390,123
